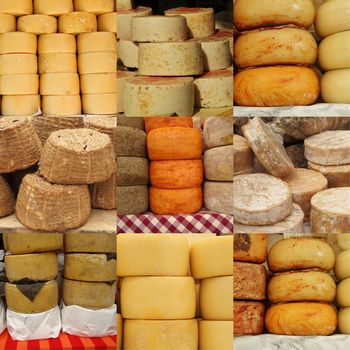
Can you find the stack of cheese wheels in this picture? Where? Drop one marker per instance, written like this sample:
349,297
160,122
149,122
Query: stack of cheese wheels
89,270
7,198
158,297
275,53
176,170
218,164
301,290
249,283
333,28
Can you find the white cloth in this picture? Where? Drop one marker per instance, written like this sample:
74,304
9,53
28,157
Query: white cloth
2,317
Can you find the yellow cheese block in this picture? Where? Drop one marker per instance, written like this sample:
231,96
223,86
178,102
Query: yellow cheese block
58,84
99,83
53,7
98,7
17,105
31,298
77,22
119,331
152,255
61,105
19,84
7,23
37,24
33,267
164,335
99,103
158,298
97,42
214,335
107,22
18,42
97,62
17,8
18,63
56,43
57,63
124,4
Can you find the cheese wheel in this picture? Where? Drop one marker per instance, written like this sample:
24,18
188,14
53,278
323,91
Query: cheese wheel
124,4
337,175
248,317
342,265
227,34
328,147
344,320
266,87
131,123
286,46
132,171
75,242
98,83
19,84
158,29
301,286
218,197
330,211
124,20
304,319
218,163
97,62
250,248
344,241
59,84
56,43
18,42
217,131
18,63
214,89
77,22
300,253
53,7
7,23
165,122
61,105
119,331
128,53
131,141
158,298
165,334
148,96
200,21
132,199
122,76
243,156
96,42
335,85
57,63
152,255
17,8
301,13
37,24
98,7
7,200
99,103
215,334
107,22
249,281
170,59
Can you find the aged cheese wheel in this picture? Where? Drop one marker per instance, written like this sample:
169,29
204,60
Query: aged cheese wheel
337,175
300,253
53,7
304,319
260,199
103,194
19,84
77,22
151,96
249,281
18,42
285,46
342,265
256,14
107,22
20,105
98,7
17,8
136,122
170,58
266,86
98,83
248,317
296,155
215,334
165,122
158,29
227,34
61,105
89,295
132,171
37,24
18,63
122,76
214,89
97,62
7,199
218,196
301,286
200,21
131,142
243,156
96,42
124,4
57,63
59,84
218,163
7,23
344,241
335,85
75,242
218,132
250,248
128,53
120,331
132,199
99,103
344,320
56,43
31,298
328,147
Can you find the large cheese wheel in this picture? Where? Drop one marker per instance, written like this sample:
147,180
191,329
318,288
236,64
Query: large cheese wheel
227,34
96,42
132,199
128,53
124,4
337,175
342,265
215,334
53,7
56,43
122,76
132,171
59,84
74,242
218,196
305,319
119,331
301,286
218,163
99,103
17,8
150,96
57,63
200,21
250,248
107,22
7,23
248,317
217,131
136,123
344,320
97,62
98,7
7,199
98,83
37,24
103,194
344,241
266,86
18,42
330,211
300,253
61,105
131,142
165,122
285,46
243,156
19,84
170,59
335,86
18,63
77,22
158,298
256,14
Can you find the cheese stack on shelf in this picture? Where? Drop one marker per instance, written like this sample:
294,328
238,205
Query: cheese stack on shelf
249,283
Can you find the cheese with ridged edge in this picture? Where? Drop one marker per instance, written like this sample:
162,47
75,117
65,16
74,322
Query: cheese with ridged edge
96,42
19,84
218,196
99,103
56,43
215,335
97,62
61,105
76,242
57,63
17,8
77,22
18,42
107,22
17,105
59,84
37,24
7,23
218,163
53,7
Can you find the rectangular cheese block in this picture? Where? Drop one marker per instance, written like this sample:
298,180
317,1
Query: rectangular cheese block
250,247
248,317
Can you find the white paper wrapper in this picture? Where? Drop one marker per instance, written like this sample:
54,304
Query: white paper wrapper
2,317
89,323
42,325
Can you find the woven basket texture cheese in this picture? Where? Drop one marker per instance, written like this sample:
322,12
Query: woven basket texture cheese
164,122
131,142
132,199
248,317
218,132
37,24
56,43
96,42
20,105
132,171
77,22
7,23
18,42
19,84
218,197
17,8
95,6
107,22
99,83
18,63
99,103
335,86
218,163
57,63
61,105
214,334
7,199
250,248
53,7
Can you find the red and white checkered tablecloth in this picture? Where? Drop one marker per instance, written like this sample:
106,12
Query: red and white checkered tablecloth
201,222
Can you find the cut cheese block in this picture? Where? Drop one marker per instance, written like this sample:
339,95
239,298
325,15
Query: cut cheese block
267,148
98,7
342,265
124,20
37,24
330,211
243,156
218,163
61,105
200,21
107,22
165,122
158,298
132,199
98,83
136,123
132,171
260,199
150,96
218,131
218,196
343,289
337,175
31,298
128,53
216,298
59,84
31,267
131,142
124,4
7,23
77,22
303,184
57,63
214,89
56,43
53,7
335,85
17,8
89,295
119,331
250,248
344,320
18,63
18,42
248,317
122,76
20,105
97,62
103,194
152,255
7,199
19,84
170,59
328,147
249,281
212,257
227,34
165,334
96,42
158,29
99,104
215,335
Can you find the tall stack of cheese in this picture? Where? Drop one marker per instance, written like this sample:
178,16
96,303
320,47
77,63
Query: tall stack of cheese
249,283
332,26
301,290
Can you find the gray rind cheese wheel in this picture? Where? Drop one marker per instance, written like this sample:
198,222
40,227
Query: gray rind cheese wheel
260,199
218,196
218,131
135,122
218,163
267,148
131,142
335,86
132,171
243,156
132,199
7,198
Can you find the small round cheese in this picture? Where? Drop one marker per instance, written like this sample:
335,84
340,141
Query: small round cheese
37,24
344,320
19,84
107,22
342,265
56,43
335,86
18,42
99,103
57,63
100,83
20,105
98,7
77,22
96,42
97,62
7,23
17,8
128,53
61,105
18,63
58,84
218,197
53,7
337,175
343,293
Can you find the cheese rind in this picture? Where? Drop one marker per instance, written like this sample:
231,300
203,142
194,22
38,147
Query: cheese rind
128,53
56,43
119,331
77,22
18,63
53,7
131,142
20,105
7,200
7,23
96,42
344,320
218,132
107,22
61,105
17,8
335,85
75,242
97,62
243,156
250,248
120,88
37,24
132,171
124,4
98,7
18,42
215,335
248,317
19,84
132,199
98,83
337,175
218,196
57,63
99,103
218,163
342,265
59,84
124,20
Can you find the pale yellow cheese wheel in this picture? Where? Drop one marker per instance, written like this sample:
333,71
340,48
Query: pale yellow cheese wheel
18,63
77,22
335,86
107,22
342,265
58,84
53,7
16,7
19,84
57,63
96,42
17,105
56,43
119,331
344,320
343,293
18,42
37,24
99,103
97,62
215,335
61,105
98,83
7,23
98,7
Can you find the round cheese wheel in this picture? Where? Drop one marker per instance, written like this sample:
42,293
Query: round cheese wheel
61,105
77,22
98,7
59,84
344,241
53,7
343,293
305,319
131,141
19,84
344,320
7,23
243,156
7,202
37,24
215,334
128,53
18,42
165,122
97,62
227,34
124,4
20,105
57,63
248,318
218,163
342,265
132,171
107,22
17,8
100,83
285,46
335,86
132,199
250,248
120,86
56,43
96,42
103,194
218,197
18,63
217,131
300,253
99,103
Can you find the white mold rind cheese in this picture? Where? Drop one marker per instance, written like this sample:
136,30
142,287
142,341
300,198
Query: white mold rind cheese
218,163
37,24
7,23
243,156
335,86
128,53
122,76
77,22
218,196
337,175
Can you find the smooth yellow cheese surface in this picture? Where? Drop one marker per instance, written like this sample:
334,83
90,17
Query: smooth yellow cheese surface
342,265
119,331
107,22
100,83
7,23
77,22
61,105
335,86
18,63
18,42
97,62
99,103
214,335
16,7
58,84
96,42
17,105
37,24
158,298
53,7
344,240
124,4
19,84
75,242
57,63
56,43
343,293
344,320
98,7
